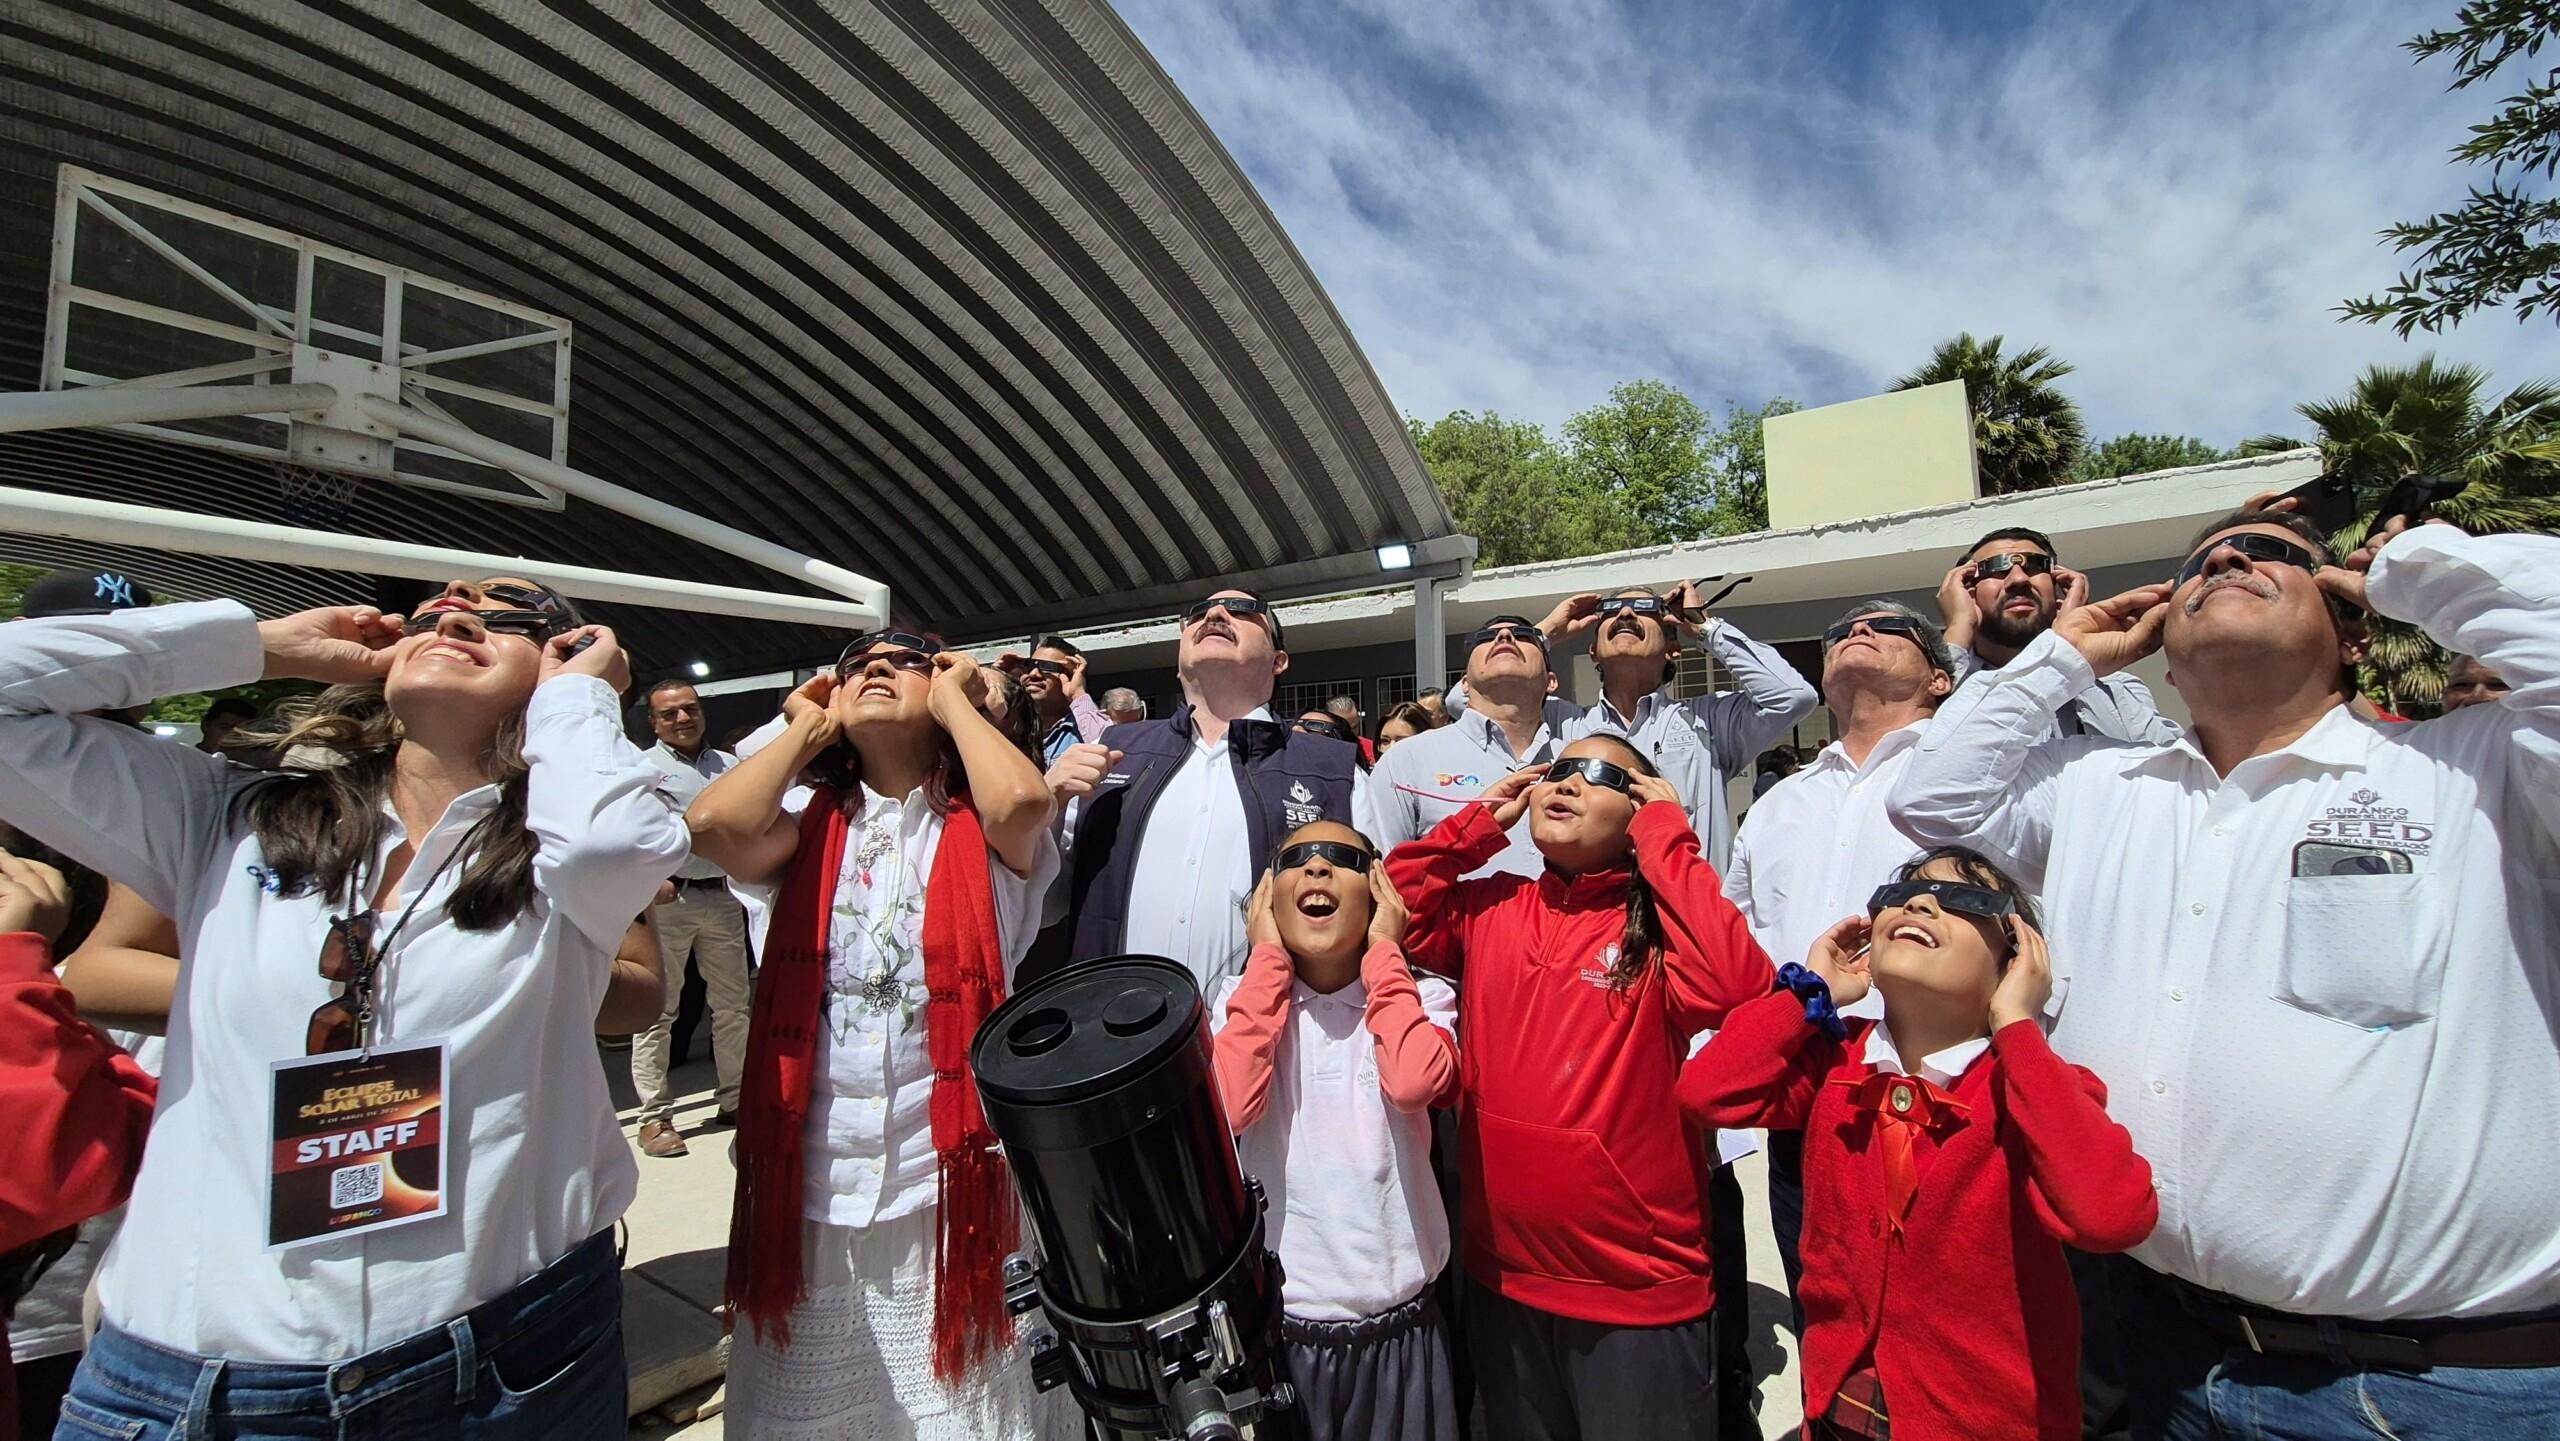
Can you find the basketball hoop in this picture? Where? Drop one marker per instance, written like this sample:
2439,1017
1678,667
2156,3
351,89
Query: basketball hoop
321,499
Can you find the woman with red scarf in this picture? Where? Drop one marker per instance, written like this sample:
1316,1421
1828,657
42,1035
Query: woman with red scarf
873,1212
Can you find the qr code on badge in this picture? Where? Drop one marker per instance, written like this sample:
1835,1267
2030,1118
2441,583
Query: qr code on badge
356,1185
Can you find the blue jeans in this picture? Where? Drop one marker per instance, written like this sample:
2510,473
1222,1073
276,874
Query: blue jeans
2186,1384
542,1361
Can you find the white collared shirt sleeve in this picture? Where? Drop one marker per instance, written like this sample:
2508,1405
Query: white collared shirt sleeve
1364,818
1983,773
605,834
1773,697
2493,598
143,810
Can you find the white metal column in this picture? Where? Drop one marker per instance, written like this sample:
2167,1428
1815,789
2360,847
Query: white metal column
1430,642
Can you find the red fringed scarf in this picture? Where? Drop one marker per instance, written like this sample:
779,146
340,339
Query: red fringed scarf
964,980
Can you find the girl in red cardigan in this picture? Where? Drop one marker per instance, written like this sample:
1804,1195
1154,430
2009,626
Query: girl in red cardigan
1939,1190
1585,1225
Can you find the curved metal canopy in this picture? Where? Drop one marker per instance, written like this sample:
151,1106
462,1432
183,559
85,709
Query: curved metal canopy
960,295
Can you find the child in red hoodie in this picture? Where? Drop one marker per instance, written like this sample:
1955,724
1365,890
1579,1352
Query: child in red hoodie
73,1108
1585,1235
1939,1190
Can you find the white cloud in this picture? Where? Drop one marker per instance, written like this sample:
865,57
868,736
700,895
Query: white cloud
1515,206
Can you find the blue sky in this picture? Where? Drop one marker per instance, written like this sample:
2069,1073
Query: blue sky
1515,205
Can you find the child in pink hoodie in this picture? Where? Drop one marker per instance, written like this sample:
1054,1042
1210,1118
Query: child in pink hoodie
1330,1055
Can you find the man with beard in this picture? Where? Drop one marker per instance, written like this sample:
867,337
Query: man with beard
1172,821
2006,592
1700,743
1053,675
2304,952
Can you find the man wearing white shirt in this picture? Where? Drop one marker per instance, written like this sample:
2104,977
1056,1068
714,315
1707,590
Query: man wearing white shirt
2313,958
1173,819
702,926
1699,743
2006,592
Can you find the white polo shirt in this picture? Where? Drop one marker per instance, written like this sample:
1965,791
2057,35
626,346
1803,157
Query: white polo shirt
2319,989
1425,780
539,1163
1354,1210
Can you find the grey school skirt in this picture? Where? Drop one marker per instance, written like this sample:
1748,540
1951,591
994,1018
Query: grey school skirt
1384,1376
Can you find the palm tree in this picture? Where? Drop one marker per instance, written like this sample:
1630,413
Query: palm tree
2429,419
2026,434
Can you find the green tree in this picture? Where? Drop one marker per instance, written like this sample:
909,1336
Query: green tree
1508,486
14,580
2431,419
2138,454
1647,447
2502,245
1741,467
2026,434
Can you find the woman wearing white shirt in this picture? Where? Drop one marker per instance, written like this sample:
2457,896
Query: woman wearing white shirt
384,1169
873,1212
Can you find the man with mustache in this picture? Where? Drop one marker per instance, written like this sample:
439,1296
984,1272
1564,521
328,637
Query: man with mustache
2313,958
1701,742
1172,820
2006,592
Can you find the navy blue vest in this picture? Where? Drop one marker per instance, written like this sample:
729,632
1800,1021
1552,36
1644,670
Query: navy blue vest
1287,778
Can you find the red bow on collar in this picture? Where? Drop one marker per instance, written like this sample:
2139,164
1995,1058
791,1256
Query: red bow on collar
1904,1106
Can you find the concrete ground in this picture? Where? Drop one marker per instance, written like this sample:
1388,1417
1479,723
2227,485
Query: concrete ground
679,1229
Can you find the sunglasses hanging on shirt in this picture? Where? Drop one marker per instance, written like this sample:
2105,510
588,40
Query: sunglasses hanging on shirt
1980,901
1591,770
1341,855
2257,547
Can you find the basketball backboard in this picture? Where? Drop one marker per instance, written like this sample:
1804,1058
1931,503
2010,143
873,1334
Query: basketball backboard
151,291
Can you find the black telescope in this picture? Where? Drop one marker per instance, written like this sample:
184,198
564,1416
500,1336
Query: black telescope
1150,1267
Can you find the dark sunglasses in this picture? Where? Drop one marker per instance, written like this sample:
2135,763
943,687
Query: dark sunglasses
1243,607
1593,771
913,653
532,625
1994,567
1633,604
1981,901
347,957
1322,726
1518,634
1341,855
1901,625
541,598
2254,545
1048,667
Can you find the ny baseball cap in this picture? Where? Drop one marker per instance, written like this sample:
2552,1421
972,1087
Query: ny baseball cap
83,592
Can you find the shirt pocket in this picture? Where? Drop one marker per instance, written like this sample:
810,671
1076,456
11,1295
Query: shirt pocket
1556,1204
2360,950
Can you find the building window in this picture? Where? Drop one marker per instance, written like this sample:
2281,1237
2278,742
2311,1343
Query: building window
1394,690
1295,700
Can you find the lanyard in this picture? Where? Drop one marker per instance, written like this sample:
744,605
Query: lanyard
361,986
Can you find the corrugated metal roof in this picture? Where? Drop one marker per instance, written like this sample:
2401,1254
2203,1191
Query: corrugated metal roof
963,296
